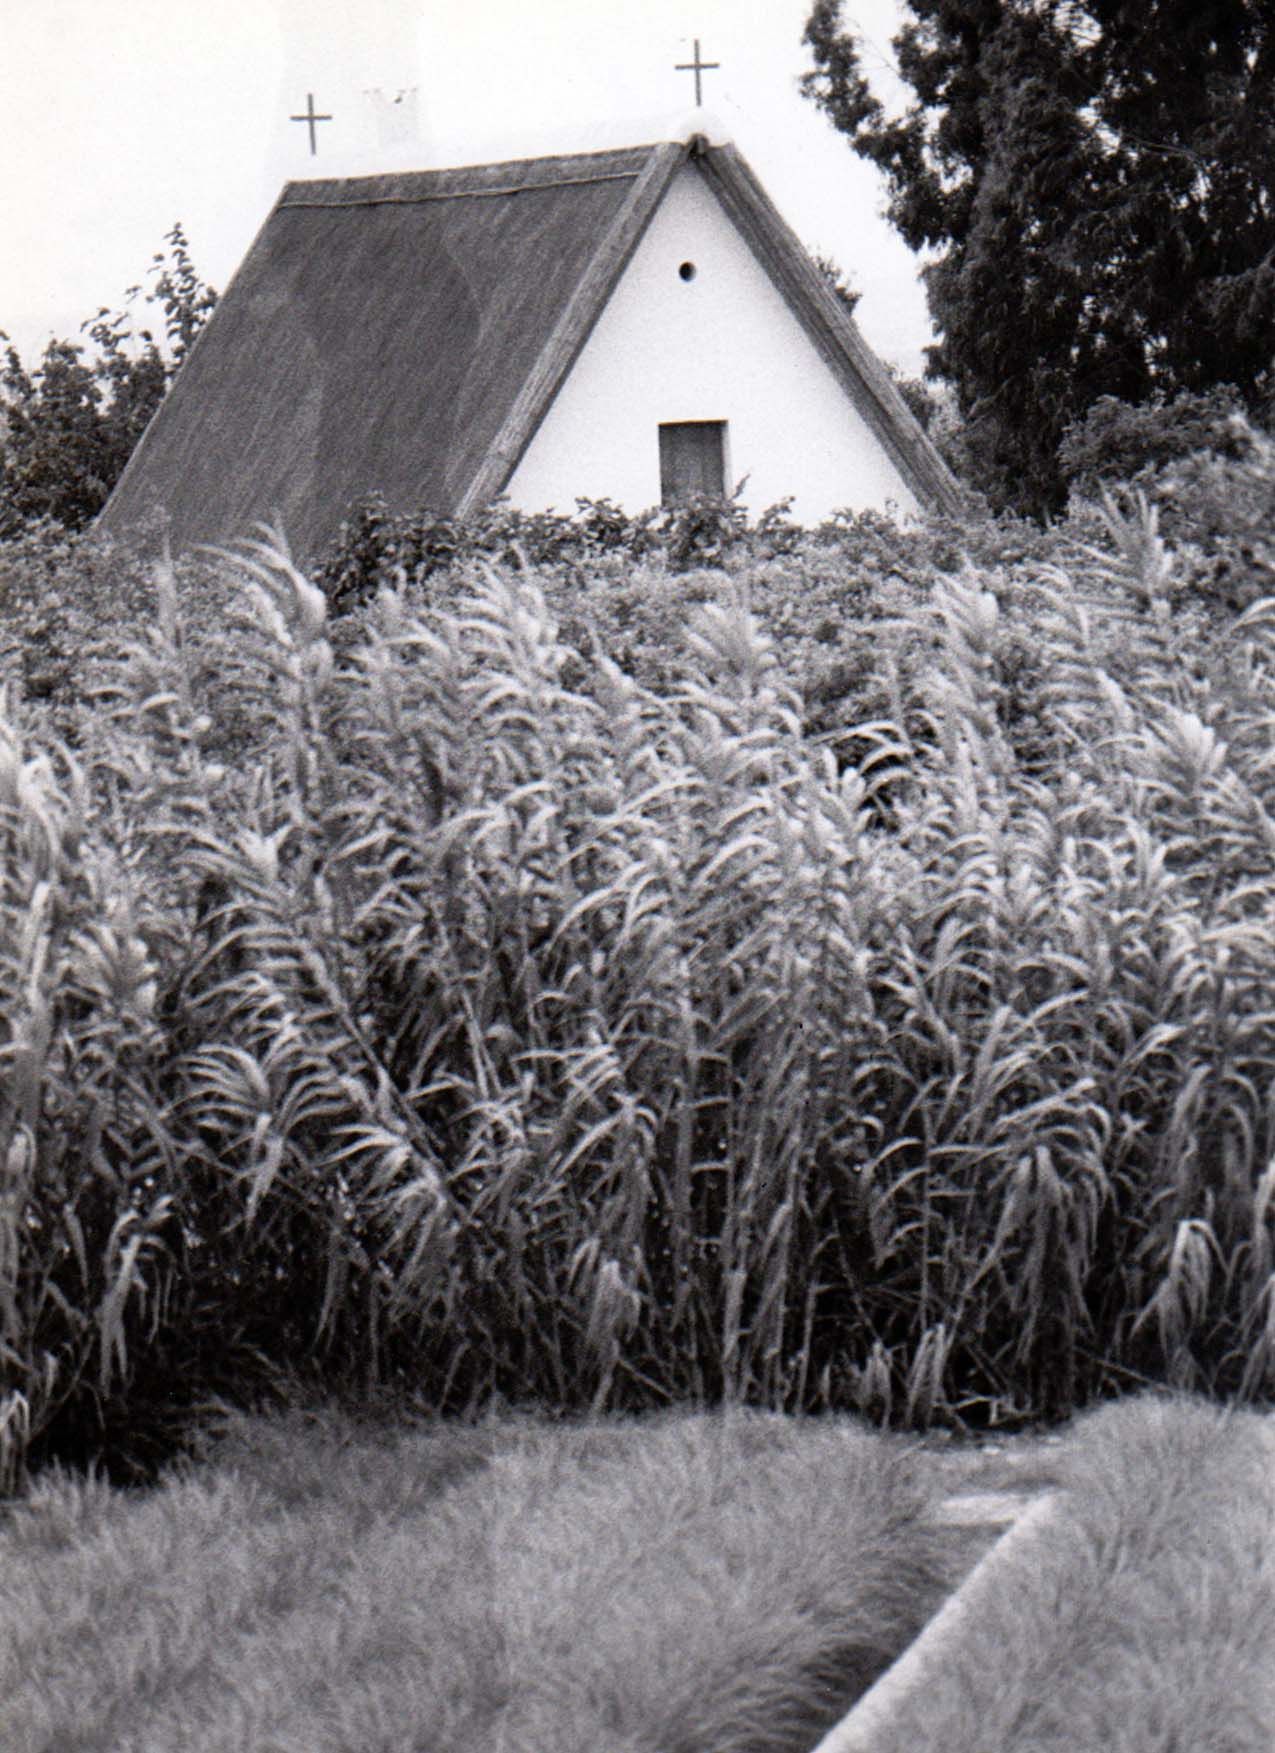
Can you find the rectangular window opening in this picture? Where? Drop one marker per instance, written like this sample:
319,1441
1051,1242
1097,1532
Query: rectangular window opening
692,460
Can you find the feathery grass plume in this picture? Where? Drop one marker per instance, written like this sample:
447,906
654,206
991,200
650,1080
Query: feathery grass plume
85,1226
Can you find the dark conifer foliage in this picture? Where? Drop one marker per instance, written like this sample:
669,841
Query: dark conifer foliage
1097,181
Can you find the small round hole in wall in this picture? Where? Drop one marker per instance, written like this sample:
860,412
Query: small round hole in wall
688,271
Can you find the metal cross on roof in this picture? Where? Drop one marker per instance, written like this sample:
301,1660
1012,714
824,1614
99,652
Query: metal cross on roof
310,118
696,67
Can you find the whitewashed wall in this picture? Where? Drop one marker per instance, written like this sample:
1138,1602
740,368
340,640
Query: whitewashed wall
723,346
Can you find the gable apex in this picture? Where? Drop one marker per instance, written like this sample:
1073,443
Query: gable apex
829,325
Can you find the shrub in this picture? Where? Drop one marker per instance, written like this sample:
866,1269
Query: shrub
375,546
1116,441
68,426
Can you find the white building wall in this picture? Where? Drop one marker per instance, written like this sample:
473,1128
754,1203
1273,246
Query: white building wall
722,346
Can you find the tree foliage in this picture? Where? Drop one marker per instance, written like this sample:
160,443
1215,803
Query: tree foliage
1096,179
69,425
837,282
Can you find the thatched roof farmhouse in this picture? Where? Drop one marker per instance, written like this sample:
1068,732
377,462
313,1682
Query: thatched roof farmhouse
625,324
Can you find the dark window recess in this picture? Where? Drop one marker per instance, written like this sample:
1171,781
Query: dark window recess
692,460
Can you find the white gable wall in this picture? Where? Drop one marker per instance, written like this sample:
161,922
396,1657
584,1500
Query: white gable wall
723,346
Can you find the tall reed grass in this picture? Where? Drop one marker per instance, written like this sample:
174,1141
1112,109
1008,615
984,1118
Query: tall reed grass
439,1005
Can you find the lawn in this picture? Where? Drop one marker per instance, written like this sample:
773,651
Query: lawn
679,1583
670,1584
1138,1616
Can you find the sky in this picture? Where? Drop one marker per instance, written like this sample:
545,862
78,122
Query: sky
120,117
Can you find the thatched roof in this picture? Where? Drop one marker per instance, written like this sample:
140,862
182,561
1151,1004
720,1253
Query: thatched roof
407,333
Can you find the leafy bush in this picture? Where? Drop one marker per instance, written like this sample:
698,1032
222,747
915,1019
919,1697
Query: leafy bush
1116,440
68,427
833,600
69,600
1218,510
375,546
61,599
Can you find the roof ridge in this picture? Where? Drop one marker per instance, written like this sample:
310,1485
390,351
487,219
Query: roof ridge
542,172
523,188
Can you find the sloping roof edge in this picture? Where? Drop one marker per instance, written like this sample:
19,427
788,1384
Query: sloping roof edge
575,325
828,324
136,463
